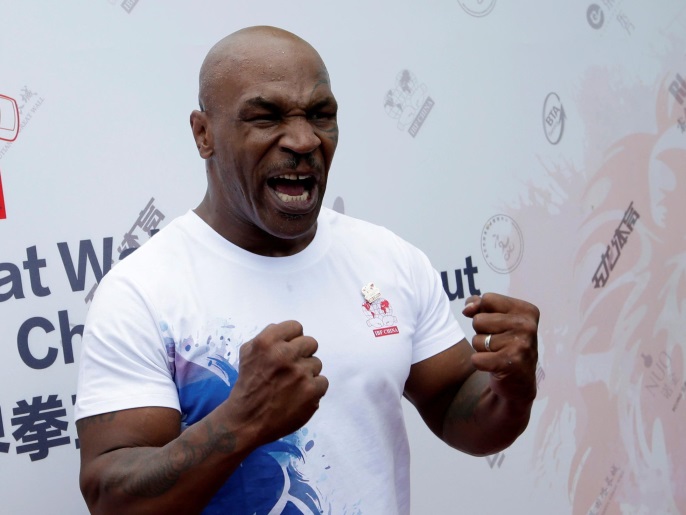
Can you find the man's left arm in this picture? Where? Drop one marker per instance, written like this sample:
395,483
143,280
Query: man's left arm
476,398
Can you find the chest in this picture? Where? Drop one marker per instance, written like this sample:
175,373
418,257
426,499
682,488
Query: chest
364,346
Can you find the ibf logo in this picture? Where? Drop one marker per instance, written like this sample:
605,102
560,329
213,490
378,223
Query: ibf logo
9,118
409,102
553,118
595,16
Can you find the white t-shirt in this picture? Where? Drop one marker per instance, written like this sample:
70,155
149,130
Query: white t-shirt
166,324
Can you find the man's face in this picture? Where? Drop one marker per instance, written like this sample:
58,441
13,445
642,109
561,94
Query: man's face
274,133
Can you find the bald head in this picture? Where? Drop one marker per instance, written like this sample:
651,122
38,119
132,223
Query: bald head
268,113
257,49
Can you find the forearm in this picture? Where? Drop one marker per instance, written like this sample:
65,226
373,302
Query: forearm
179,477
480,422
135,461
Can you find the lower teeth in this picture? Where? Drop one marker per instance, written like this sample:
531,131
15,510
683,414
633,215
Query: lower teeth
293,198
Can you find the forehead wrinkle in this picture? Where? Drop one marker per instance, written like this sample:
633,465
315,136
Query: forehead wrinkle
268,93
257,49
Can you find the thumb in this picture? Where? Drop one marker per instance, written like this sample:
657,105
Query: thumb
472,306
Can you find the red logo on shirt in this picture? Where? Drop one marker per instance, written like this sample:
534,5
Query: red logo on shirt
380,317
386,331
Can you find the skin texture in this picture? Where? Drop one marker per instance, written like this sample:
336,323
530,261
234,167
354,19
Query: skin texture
266,109
271,94
475,400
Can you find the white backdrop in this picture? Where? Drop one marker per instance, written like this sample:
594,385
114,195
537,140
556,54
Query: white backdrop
533,148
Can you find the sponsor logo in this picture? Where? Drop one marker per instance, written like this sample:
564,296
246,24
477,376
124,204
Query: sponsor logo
540,375
553,118
3,211
378,312
9,118
609,258
595,16
127,5
661,377
502,244
469,272
496,460
386,331
607,491
477,8
148,220
678,90
12,111
409,103
681,396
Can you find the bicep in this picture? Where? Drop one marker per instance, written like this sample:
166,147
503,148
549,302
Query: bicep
434,382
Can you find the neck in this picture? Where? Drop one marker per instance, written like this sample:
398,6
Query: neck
251,238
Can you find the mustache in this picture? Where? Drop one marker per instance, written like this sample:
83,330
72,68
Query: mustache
292,163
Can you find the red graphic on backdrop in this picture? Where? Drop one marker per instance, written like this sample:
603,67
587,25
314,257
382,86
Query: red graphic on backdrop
9,118
3,211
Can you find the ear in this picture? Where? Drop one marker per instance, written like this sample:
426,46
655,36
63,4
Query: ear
202,134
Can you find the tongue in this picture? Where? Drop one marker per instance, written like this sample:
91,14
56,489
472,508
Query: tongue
291,188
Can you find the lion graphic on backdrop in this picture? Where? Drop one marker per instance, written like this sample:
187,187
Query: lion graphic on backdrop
612,427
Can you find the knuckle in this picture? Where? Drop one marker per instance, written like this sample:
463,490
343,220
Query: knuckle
529,326
311,343
268,329
536,313
525,325
297,326
310,391
530,310
324,384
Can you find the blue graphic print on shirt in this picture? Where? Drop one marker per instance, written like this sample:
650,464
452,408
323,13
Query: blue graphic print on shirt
268,481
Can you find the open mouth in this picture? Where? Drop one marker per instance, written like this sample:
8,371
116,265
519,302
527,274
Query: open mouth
291,187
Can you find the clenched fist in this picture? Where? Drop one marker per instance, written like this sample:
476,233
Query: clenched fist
279,385
506,343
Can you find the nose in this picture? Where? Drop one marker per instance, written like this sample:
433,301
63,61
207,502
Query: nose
299,136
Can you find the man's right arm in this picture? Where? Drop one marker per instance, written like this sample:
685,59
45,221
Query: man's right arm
138,460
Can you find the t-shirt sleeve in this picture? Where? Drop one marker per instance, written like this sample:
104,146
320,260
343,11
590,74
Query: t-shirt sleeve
436,329
124,361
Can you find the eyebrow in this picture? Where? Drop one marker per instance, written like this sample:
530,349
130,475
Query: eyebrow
260,102
329,101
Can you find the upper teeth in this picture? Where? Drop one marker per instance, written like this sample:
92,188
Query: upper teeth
292,177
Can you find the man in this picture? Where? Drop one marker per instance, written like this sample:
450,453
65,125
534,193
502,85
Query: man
199,387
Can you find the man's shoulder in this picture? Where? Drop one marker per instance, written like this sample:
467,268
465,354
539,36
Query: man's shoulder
363,237
154,252
346,225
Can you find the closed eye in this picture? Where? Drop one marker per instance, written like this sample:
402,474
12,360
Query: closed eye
271,117
322,115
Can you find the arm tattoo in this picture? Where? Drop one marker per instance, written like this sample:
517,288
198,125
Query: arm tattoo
463,406
156,477
96,419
